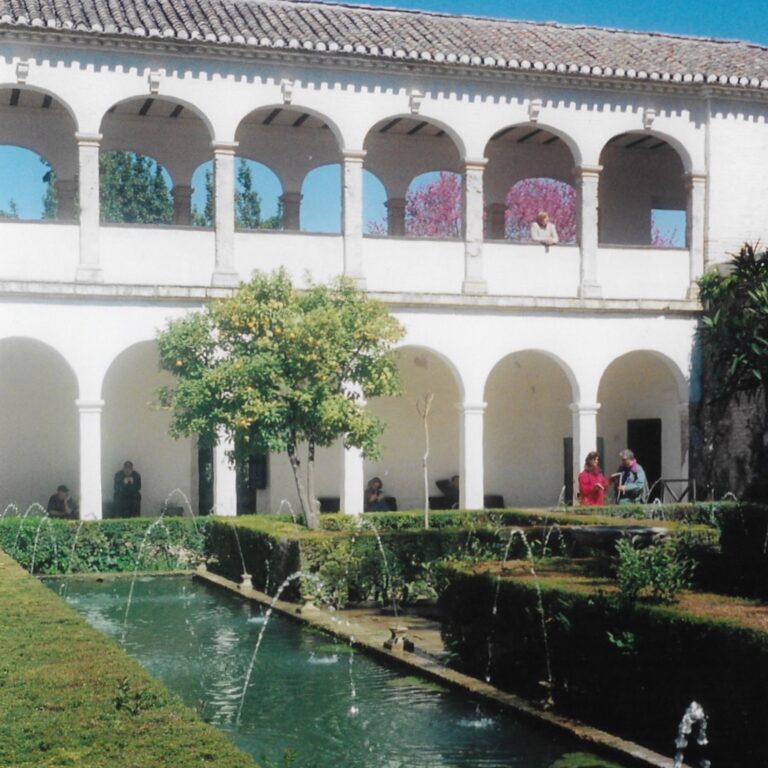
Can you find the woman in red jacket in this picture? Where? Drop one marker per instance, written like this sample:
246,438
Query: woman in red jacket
592,482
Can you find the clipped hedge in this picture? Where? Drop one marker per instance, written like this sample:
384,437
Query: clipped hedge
55,547
629,668
70,697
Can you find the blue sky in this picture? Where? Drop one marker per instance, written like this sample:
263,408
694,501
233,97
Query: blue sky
21,172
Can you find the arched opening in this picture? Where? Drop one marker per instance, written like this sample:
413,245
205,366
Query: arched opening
527,420
147,133
134,189
27,185
38,423
38,158
642,409
259,200
374,204
422,372
527,198
321,200
134,429
407,155
642,192
302,150
529,169
433,205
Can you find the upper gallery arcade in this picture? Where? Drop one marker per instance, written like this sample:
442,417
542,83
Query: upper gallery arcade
578,339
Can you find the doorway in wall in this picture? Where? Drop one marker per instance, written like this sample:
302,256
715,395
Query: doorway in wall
644,440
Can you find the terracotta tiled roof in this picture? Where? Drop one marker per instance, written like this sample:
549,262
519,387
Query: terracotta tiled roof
398,34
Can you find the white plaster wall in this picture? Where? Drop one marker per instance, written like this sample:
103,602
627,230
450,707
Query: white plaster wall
38,424
322,256
738,185
643,273
526,419
134,429
413,264
38,251
525,269
143,255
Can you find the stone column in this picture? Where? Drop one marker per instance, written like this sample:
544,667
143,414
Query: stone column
474,278
352,207
696,184
182,204
224,478
584,421
495,221
66,198
587,181
352,481
224,273
395,216
90,458
89,269
471,480
291,202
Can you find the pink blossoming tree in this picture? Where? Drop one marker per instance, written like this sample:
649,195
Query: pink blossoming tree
434,209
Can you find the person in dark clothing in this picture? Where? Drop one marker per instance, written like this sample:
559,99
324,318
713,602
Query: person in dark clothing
127,492
61,505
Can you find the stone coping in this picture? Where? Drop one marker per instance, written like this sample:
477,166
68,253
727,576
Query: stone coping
39,289
368,629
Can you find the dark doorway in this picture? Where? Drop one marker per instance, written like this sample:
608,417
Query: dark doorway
568,478
251,477
644,440
204,480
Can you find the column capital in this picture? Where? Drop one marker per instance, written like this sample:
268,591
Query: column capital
353,155
471,408
88,139
225,147
587,171
695,177
90,406
584,408
474,163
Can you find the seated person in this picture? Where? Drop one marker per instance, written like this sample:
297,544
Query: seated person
543,230
61,505
450,489
374,496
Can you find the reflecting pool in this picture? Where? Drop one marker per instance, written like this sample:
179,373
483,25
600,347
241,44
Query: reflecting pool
309,693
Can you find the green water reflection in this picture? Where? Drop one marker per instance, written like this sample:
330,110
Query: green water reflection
308,693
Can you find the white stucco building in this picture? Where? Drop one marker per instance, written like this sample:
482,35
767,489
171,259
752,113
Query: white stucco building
527,350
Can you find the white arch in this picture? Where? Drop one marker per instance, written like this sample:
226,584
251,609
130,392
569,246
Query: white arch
571,144
681,383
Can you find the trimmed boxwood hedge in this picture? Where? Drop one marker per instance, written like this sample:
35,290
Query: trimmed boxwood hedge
629,668
70,697
55,547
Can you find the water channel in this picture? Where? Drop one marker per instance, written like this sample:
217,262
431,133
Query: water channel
308,693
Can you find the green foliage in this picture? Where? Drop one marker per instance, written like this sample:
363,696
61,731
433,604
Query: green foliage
133,189
50,198
71,697
56,547
276,367
205,217
583,760
734,328
658,569
12,212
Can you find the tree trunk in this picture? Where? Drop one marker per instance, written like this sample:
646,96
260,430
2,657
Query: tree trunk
313,506
303,499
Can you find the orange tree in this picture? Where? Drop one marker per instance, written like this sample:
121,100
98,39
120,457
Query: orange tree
276,367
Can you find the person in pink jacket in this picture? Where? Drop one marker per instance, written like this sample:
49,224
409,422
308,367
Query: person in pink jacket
592,482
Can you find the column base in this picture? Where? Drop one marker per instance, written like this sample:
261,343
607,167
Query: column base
225,279
89,275
476,287
359,280
590,291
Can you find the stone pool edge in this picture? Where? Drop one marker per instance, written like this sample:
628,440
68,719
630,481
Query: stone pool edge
371,640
